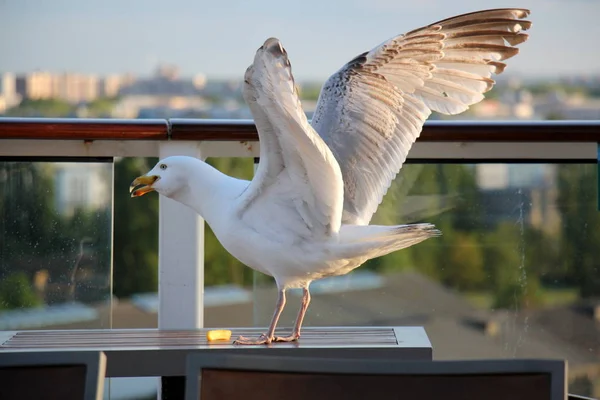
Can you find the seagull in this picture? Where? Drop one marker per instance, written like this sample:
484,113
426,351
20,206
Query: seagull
305,215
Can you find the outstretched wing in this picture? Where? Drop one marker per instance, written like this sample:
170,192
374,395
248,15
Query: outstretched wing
372,110
297,171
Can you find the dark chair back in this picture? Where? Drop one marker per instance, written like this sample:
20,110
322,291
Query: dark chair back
211,377
64,375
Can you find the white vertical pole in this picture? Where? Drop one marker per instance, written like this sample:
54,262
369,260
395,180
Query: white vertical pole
257,319
180,257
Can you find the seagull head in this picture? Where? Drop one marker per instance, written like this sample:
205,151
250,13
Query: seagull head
167,177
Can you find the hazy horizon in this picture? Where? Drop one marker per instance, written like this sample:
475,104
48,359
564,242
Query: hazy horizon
220,39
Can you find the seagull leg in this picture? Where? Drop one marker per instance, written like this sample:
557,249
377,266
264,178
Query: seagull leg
303,307
268,338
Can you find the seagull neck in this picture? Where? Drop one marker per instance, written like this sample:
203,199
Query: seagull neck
209,192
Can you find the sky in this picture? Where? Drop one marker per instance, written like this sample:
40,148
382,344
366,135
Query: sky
219,38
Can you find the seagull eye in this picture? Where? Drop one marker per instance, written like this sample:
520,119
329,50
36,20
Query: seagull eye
163,166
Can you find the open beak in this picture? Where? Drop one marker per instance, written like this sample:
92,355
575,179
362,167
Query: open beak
146,181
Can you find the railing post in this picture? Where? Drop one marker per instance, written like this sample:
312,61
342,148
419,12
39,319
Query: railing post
181,257
180,266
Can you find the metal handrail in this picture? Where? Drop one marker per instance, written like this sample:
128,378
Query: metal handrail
245,130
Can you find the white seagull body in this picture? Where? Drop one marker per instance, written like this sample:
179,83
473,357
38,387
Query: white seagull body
306,213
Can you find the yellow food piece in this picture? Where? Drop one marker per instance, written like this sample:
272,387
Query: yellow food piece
218,334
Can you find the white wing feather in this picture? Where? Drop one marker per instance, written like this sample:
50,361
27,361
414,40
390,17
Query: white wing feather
296,166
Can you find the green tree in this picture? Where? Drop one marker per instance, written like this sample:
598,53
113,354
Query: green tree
465,263
580,242
27,217
34,236
459,180
135,262
42,108
101,107
542,252
16,292
514,295
511,279
502,254
220,267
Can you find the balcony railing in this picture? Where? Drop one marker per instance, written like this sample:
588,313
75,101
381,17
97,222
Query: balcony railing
441,141
181,283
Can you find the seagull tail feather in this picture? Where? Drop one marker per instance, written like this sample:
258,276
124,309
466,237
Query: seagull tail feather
373,241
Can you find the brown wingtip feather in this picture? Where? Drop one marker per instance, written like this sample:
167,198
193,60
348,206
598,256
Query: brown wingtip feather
517,39
512,13
479,17
500,66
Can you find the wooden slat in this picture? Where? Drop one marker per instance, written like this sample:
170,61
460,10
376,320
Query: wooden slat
245,130
170,339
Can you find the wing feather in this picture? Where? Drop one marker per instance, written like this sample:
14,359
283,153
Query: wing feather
292,155
372,110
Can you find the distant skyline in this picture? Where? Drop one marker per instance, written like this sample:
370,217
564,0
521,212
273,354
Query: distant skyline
219,38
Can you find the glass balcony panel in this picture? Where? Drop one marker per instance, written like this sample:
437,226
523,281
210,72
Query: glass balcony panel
228,299
514,274
55,245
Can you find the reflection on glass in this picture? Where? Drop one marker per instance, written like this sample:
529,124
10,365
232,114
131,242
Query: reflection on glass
55,245
515,273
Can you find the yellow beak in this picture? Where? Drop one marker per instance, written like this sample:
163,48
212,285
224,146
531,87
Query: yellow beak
146,181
